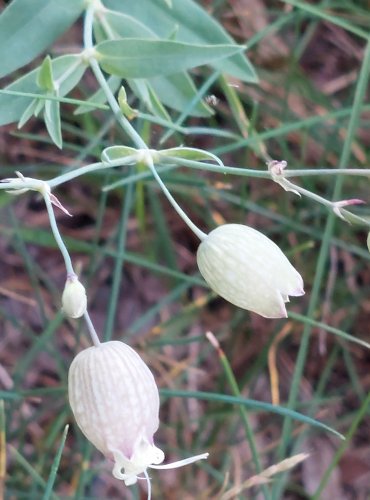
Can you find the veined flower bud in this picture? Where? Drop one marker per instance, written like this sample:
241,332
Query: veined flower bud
115,401
74,300
248,269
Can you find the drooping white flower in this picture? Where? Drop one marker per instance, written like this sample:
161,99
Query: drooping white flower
248,269
74,300
115,401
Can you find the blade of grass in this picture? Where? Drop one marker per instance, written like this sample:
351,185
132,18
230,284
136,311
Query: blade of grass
251,404
316,11
54,468
230,377
119,260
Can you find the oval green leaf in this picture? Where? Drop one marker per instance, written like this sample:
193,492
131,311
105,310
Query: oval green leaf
28,27
192,24
143,58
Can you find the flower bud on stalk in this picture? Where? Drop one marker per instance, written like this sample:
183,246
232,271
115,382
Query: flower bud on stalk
248,269
115,401
74,300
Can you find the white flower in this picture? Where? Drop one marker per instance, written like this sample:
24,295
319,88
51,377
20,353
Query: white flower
74,300
115,401
248,269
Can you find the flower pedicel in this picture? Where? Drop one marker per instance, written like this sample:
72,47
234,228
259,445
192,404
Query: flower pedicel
115,401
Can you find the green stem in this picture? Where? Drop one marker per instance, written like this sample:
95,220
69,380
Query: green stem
91,329
120,257
198,232
309,194
328,171
57,236
121,119
68,262
129,160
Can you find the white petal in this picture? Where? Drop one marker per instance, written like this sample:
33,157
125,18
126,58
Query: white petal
114,397
248,269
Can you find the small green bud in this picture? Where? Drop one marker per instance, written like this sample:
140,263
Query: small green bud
126,109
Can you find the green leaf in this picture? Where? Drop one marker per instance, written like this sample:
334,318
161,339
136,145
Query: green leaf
45,75
174,91
189,154
251,404
126,109
193,24
125,26
12,107
52,122
116,152
55,465
28,112
142,58
28,27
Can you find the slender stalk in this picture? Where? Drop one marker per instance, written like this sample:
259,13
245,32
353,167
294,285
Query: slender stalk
57,236
91,329
293,187
364,172
86,169
121,119
198,232
68,262
119,261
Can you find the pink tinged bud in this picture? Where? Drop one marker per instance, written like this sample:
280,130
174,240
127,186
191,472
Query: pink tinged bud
248,269
115,401
74,300
338,205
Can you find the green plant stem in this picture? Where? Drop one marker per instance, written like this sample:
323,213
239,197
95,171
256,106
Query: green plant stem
94,336
55,466
364,172
198,232
120,256
121,162
57,236
121,119
68,263
126,125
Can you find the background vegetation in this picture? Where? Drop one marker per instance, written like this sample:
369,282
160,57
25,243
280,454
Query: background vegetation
137,259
